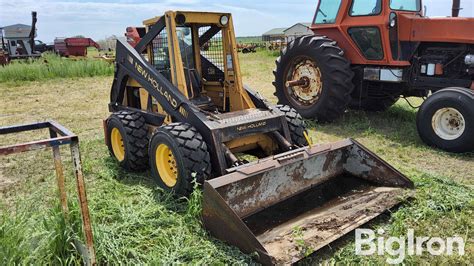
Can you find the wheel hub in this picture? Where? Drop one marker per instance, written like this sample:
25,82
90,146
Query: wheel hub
166,165
117,144
305,82
448,123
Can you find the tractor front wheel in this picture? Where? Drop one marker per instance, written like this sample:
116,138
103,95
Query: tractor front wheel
178,156
127,140
446,120
313,76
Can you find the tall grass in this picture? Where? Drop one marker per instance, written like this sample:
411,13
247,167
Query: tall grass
51,66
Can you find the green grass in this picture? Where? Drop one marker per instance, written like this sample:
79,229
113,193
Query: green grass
51,66
135,222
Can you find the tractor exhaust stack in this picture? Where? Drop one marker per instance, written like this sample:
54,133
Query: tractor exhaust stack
302,200
456,8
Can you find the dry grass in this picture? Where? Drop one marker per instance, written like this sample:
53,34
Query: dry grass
135,222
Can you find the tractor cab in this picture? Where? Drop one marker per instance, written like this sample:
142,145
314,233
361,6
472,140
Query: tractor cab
370,26
196,52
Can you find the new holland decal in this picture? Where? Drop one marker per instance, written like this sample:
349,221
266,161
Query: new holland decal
150,79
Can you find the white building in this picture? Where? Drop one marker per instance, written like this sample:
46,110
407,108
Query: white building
297,30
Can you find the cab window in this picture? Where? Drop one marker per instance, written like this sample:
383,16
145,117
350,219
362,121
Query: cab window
327,11
365,8
369,41
186,46
405,5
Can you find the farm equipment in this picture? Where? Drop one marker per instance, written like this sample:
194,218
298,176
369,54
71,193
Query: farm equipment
134,35
246,48
18,41
179,108
73,46
368,54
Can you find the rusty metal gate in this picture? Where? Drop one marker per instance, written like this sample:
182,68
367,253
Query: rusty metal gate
59,136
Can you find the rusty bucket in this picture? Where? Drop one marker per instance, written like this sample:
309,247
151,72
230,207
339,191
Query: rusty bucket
286,207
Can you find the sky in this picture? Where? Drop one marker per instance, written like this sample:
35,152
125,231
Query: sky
102,18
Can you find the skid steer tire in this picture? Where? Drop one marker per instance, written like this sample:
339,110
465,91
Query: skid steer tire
446,120
178,156
296,125
328,73
373,104
128,130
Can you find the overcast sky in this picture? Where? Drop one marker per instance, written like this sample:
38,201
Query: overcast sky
101,18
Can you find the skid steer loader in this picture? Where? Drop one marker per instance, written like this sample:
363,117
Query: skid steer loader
180,108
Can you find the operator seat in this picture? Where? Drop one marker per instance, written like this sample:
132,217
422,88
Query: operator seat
194,85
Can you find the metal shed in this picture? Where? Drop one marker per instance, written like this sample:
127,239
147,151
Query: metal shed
276,34
297,30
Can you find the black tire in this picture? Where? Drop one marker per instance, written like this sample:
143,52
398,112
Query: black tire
296,125
191,154
134,131
336,77
373,104
461,100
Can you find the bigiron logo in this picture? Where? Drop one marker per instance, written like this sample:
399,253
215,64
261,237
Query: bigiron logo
366,244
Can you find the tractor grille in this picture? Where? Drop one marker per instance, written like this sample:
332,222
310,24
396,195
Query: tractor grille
244,116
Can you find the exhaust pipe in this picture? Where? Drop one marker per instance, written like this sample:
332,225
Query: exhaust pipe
456,8
301,200
33,31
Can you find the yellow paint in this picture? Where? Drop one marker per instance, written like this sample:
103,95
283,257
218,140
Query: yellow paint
308,138
166,165
117,144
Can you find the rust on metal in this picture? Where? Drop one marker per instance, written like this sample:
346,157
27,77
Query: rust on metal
59,135
302,82
58,165
337,187
81,191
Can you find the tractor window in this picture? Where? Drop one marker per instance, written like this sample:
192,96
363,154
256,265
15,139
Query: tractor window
160,54
369,42
365,8
185,39
327,11
405,5
212,54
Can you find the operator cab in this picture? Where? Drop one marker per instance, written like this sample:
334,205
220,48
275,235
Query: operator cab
206,76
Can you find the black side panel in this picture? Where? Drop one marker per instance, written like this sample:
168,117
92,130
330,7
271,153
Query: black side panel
407,50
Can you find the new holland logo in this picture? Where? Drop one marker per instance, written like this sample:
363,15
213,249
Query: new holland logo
153,82
252,126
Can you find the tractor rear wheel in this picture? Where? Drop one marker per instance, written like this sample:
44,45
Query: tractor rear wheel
127,140
446,120
296,125
313,76
178,156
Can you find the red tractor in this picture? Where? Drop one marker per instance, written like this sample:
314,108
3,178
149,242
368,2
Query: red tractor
366,54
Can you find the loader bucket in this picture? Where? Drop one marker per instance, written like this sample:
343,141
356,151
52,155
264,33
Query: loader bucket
297,202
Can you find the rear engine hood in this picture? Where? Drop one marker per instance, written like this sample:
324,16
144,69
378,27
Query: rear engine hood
424,29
